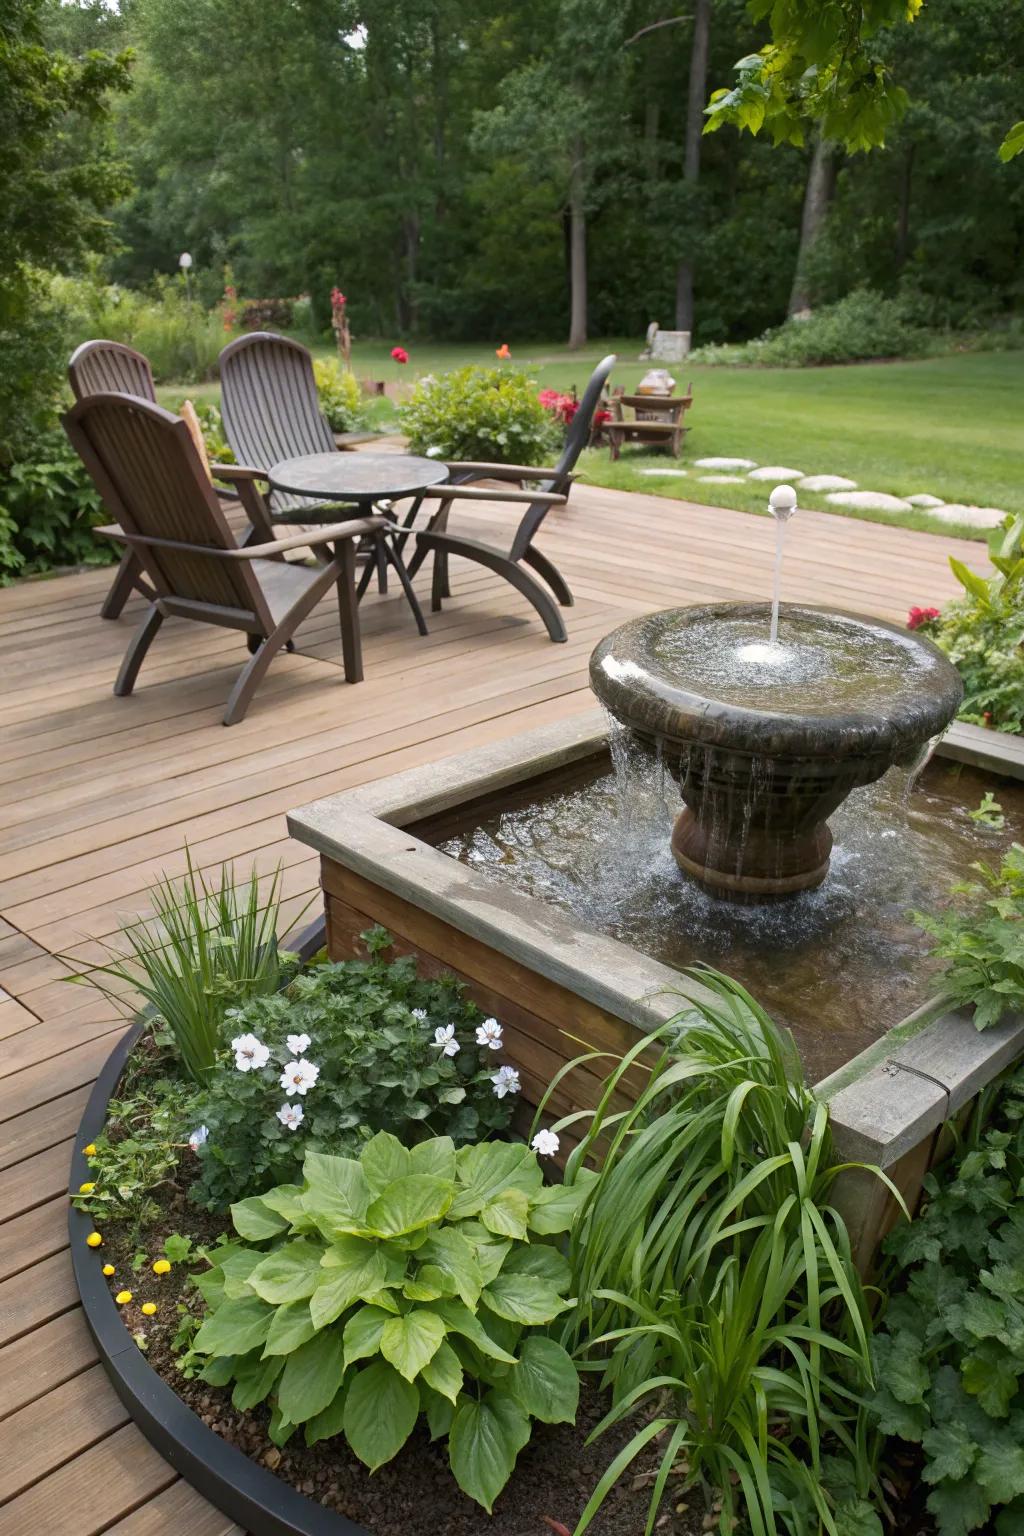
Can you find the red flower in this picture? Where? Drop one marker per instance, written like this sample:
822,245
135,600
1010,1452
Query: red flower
399,354
562,406
503,351
338,300
922,618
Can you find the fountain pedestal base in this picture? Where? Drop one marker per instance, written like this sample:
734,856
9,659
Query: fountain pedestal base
759,868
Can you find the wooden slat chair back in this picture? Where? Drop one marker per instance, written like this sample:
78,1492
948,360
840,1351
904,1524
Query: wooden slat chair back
552,488
270,407
110,368
149,474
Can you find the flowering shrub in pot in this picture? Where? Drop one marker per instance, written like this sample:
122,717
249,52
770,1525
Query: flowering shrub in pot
408,1281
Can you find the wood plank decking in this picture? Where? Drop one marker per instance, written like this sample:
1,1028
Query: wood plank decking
98,794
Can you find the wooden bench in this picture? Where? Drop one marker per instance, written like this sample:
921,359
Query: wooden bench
656,420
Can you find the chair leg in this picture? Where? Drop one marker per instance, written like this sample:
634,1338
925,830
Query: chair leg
128,578
252,675
512,572
136,652
439,580
381,561
392,554
549,572
348,613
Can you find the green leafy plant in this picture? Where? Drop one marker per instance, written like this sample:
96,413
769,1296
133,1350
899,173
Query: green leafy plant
479,414
983,635
860,326
207,945
181,339
340,399
950,1354
988,812
378,1048
982,940
408,1282
48,509
136,1157
715,1280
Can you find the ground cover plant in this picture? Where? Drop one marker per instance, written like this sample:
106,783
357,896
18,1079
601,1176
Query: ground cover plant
949,1355
981,937
715,1280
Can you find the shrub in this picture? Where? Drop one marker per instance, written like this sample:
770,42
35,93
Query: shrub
180,338
863,325
408,1282
949,1357
487,414
982,941
392,1051
340,400
715,1280
48,509
204,947
259,314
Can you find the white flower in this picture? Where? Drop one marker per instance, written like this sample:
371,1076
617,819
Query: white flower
545,1143
297,1044
489,1033
444,1039
198,1137
249,1052
505,1080
299,1076
290,1116
433,453
421,1014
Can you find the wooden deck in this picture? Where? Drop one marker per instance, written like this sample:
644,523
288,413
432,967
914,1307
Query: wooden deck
98,794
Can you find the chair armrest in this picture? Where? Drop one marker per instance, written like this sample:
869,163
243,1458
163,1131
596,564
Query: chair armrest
350,530
237,472
507,472
478,493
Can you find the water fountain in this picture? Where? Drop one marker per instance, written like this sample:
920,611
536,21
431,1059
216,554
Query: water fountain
770,715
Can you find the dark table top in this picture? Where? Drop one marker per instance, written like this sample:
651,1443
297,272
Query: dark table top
356,477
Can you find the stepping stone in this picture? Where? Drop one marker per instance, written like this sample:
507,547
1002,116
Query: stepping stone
721,479
826,483
922,499
727,464
972,517
777,473
673,473
868,501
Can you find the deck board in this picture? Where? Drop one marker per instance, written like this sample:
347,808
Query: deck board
97,796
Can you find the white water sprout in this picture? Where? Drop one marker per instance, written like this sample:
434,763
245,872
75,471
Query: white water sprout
444,1039
489,1033
299,1077
505,1080
250,1053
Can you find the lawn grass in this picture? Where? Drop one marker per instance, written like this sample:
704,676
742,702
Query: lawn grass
950,425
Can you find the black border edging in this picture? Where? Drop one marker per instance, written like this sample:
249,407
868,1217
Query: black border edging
260,1502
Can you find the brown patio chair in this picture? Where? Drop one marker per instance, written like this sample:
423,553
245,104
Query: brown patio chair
552,489
149,474
109,367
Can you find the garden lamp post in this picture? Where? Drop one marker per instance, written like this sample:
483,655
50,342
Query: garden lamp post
185,263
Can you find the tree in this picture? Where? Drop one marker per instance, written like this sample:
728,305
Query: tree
58,177
695,93
821,180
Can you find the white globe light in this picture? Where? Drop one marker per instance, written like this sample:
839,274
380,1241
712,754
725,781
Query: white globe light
782,502
184,261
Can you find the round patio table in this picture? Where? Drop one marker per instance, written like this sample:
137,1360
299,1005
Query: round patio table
364,480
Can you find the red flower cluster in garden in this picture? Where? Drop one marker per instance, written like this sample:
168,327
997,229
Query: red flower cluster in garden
399,354
562,406
922,618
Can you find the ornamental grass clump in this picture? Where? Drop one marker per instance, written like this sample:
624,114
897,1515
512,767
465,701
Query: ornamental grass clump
205,946
407,1283
715,1283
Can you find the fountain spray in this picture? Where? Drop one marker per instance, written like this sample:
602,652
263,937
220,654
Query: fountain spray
781,505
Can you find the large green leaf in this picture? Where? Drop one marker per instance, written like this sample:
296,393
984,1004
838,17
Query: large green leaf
286,1199
460,1319
338,1193
312,1376
235,1327
290,1273
381,1408
959,1508
253,1381
444,1372
362,1333
292,1326
484,1442
255,1221
554,1209
1000,1468
235,1268
412,1341
506,1215
436,1156
455,1256
545,1382
383,1160
488,1168
330,1422
353,1269
950,1453
418,1200
523,1299
541,1260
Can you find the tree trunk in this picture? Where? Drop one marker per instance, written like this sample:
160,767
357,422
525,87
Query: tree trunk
903,217
695,97
577,250
821,181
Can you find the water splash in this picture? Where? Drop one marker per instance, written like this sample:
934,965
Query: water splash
781,505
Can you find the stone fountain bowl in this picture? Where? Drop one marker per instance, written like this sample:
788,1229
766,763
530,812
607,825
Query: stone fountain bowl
768,740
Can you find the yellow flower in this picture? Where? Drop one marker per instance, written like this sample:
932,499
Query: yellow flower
162,1267
149,1307
90,1150
123,1297
94,1240
86,1189
108,1269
